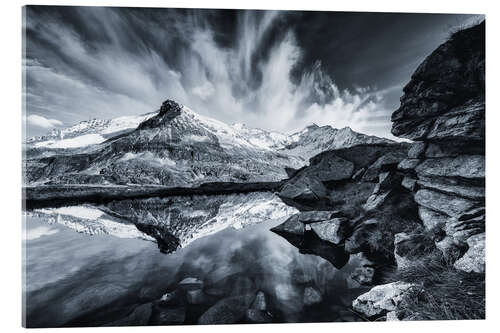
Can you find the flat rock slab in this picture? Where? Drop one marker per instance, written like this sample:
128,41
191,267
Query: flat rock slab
443,203
465,166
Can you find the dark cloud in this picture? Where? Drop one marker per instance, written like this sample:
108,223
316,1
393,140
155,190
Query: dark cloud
271,69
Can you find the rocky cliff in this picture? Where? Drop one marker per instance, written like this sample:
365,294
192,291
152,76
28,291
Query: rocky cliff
413,213
441,264
443,110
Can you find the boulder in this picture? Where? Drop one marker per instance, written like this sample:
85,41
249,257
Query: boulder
451,249
334,230
376,200
443,203
363,276
168,316
331,169
260,302
138,317
312,296
291,226
227,311
431,219
474,259
306,191
385,162
466,191
465,166
401,261
254,316
392,316
468,224
417,150
382,298
408,164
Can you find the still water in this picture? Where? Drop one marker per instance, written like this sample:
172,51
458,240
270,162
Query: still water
76,279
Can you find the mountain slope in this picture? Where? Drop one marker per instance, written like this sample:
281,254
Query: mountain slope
176,147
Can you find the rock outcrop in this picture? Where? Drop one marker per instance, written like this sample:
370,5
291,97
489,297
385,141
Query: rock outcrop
343,177
443,110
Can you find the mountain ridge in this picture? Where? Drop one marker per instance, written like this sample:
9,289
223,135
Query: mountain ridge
176,146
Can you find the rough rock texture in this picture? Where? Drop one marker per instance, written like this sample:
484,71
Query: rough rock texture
381,299
474,259
334,230
337,177
443,109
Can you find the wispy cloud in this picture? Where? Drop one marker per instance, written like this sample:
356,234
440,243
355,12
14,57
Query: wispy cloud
131,64
40,121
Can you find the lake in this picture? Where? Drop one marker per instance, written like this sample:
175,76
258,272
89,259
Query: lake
76,275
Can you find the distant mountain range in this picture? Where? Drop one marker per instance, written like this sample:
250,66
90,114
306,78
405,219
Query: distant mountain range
175,146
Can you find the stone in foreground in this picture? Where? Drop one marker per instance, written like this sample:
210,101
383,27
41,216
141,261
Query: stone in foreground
382,299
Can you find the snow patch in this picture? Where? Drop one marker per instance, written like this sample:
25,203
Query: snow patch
76,142
83,212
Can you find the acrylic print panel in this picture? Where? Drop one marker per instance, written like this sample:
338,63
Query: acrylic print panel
193,166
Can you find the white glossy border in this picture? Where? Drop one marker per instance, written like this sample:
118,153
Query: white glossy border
10,161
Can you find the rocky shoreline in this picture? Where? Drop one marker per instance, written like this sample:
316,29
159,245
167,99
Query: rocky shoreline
418,213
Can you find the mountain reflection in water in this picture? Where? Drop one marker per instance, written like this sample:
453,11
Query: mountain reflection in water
72,279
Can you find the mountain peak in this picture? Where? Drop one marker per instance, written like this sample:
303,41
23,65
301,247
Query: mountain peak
169,106
312,126
168,111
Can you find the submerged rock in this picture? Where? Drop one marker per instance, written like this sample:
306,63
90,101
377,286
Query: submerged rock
169,316
260,302
227,311
138,317
255,316
312,296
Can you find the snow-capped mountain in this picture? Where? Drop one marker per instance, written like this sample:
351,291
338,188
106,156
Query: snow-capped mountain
175,146
88,132
177,221
171,222
314,139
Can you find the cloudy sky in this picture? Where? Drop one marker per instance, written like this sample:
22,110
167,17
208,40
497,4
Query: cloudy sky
277,70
